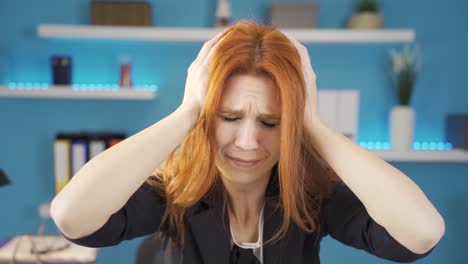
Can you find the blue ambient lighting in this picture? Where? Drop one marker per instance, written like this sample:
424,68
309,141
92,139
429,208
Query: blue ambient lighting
425,145
79,86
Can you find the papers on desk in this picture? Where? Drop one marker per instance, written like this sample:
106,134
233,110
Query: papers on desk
51,249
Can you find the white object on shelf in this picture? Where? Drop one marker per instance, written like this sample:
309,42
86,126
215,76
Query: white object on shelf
402,119
455,155
223,13
339,109
56,92
203,34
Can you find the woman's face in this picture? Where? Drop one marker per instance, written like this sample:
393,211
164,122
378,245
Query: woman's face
248,129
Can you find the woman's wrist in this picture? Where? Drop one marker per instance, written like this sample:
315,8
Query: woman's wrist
191,112
312,123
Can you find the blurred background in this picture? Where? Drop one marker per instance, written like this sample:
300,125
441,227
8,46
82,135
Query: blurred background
135,78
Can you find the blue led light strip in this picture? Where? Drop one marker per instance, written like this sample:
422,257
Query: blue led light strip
425,145
78,86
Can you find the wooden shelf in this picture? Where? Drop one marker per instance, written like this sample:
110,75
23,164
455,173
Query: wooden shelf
455,155
68,92
203,34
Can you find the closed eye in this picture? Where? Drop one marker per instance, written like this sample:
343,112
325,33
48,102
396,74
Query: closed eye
269,125
233,119
229,119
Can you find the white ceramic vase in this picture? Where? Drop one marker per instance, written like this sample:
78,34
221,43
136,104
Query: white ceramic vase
402,119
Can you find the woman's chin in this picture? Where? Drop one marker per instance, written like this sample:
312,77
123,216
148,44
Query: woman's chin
243,178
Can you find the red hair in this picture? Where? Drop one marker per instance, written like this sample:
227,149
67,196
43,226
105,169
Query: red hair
303,176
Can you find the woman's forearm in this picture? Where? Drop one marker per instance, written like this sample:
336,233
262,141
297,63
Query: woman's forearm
105,183
392,199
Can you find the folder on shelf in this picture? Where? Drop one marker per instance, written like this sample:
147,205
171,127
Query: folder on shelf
73,150
339,109
79,154
114,139
326,100
348,113
96,146
62,166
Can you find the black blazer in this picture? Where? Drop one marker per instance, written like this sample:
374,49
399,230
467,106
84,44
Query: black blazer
208,239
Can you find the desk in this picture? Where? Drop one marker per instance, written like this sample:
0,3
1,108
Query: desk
50,249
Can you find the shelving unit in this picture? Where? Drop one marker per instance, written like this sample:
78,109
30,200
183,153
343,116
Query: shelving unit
68,92
202,34
90,32
455,155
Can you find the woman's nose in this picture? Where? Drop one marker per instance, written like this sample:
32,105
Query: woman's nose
247,136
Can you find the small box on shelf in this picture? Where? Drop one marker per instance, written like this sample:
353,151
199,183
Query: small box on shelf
456,130
61,67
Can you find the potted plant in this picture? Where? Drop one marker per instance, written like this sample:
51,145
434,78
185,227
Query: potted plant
406,66
367,16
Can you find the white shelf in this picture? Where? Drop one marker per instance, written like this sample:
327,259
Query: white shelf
203,34
60,92
455,155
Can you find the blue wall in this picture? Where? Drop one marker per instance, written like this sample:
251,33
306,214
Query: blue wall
27,127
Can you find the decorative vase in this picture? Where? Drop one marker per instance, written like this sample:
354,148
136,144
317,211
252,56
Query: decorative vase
402,119
365,20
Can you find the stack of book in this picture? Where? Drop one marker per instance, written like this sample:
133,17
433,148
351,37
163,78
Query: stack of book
73,150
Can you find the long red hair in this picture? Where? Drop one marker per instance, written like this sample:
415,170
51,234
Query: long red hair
189,172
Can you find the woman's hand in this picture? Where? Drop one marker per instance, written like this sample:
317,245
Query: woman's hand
311,114
197,76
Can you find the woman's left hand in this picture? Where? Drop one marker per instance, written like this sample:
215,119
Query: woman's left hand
311,113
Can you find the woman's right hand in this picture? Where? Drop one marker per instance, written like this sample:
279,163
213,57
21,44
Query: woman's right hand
197,76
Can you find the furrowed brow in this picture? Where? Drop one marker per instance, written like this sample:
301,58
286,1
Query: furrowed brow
240,112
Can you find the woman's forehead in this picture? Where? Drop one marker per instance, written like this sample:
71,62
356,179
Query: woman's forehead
250,93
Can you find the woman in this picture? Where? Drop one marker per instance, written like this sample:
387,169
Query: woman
248,173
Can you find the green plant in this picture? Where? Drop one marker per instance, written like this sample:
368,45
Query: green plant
367,6
406,66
